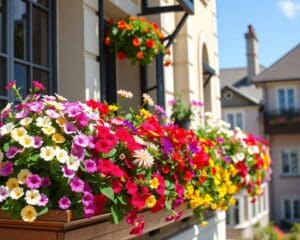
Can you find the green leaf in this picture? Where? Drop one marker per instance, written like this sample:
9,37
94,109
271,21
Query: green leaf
121,199
168,205
108,192
111,154
6,207
43,211
35,157
117,214
6,147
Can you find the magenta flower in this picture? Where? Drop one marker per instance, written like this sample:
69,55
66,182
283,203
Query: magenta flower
36,107
82,119
38,142
46,182
38,86
11,84
81,140
90,166
197,103
87,198
89,210
52,113
77,185
44,200
12,152
77,151
72,109
22,114
33,181
172,102
64,203
6,169
69,128
68,173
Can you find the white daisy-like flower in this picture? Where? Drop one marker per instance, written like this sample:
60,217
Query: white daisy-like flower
33,197
253,149
147,99
43,122
139,140
73,163
125,94
7,128
47,153
18,133
27,141
238,157
16,193
26,121
62,155
143,158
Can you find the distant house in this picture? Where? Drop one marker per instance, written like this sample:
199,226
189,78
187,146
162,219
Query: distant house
241,106
281,93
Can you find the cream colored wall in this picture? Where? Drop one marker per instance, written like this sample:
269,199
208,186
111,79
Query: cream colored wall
250,117
282,186
77,43
270,93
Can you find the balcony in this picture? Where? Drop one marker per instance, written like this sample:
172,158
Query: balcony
282,122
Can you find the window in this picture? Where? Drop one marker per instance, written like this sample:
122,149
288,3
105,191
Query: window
235,120
26,44
290,162
286,99
232,215
291,209
228,95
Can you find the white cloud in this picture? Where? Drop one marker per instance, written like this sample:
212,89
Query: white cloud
290,8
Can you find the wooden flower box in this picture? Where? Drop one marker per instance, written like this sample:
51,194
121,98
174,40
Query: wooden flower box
61,225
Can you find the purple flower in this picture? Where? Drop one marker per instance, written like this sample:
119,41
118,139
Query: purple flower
197,103
52,113
44,200
160,111
77,185
22,114
193,148
69,128
90,166
167,146
72,109
87,198
87,188
172,102
81,140
38,142
89,210
4,193
64,203
6,169
130,125
46,182
36,107
33,181
77,151
68,173
12,152
226,159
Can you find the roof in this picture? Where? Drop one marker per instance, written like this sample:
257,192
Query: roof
244,92
237,79
286,68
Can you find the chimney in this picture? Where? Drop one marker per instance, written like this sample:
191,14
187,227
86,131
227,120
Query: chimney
252,53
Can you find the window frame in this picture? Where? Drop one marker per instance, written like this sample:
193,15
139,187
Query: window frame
286,89
291,200
289,151
10,58
234,114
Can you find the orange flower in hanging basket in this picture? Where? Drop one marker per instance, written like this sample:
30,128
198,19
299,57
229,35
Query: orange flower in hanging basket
135,38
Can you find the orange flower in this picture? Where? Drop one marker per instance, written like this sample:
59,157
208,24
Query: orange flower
132,18
107,41
136,42
167,63
146,30
121,55
140,55
143,19
149,43
121,24
128,27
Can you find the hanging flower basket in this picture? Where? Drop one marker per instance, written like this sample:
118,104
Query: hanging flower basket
136,39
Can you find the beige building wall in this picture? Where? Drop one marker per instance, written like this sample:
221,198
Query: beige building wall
282,186
270,93
251,118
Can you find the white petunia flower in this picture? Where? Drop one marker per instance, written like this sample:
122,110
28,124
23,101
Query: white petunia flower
22,176
238,157
143,158
33,197
43,122
125,94
48,130
253,149
47,153
147,99
18,133
27,141
16,193
26,121
62,155
6,129
73,163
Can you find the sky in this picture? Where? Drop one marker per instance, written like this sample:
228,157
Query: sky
276,23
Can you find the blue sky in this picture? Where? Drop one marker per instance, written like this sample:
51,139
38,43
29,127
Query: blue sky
276,23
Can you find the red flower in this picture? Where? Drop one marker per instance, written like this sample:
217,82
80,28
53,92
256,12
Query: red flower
107,41
107,167
123,135
103,108
140,55
116,186
121,24
99,203
38,86
136,42
188,175
11,84
138,201
165,169
131,217
149,43
161,187
104,145
121,55
139,227
201,160
131,187
160,204
167,63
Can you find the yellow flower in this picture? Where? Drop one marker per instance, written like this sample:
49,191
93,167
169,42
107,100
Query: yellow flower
12,183
214,206
113,108
48,130
151,201
58,138
27,141
204,223
189,192
23,174
144,113
232,189
61,121
195,202
16,193
232,201
222,190
28,214
154,183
